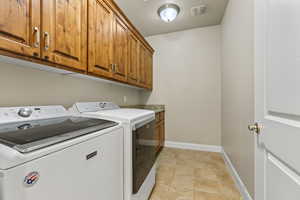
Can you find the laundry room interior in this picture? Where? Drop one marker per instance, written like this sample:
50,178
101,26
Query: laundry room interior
147,100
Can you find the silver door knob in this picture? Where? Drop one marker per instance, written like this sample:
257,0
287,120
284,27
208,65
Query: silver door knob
255,128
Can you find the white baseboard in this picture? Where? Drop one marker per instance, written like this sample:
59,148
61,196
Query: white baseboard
238,181
198,147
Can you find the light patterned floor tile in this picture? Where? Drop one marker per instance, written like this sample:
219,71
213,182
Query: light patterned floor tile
183,183
193,175
198,195
207,185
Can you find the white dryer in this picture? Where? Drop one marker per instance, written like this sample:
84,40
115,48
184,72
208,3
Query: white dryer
139,144
47,154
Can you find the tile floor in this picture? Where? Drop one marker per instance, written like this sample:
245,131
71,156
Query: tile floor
193,175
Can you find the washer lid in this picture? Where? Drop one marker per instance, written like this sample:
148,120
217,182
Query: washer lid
32,135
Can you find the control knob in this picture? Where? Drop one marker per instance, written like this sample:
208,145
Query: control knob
25,112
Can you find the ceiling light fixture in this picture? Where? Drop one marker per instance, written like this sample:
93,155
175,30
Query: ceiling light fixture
168,12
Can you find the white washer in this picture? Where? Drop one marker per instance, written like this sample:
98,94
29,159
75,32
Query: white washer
47,154
135,121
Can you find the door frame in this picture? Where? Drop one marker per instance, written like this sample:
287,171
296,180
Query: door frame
259,62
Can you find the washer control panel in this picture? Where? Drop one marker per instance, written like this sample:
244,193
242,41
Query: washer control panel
18,114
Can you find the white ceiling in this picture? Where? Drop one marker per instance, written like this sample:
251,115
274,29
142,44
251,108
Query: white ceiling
143,14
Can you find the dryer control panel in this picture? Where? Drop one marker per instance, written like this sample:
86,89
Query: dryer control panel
83,107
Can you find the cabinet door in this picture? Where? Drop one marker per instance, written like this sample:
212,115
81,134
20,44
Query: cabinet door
100,46
120,50
149,69
133,59
20,26
65,32
157,137
162,134
142,66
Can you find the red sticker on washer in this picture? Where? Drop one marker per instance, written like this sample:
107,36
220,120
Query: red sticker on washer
31,179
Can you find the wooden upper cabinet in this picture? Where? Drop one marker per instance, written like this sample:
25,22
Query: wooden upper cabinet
65,32
133,63
86,36
20,26
120,50
145,69
108,42
100,46
149,69
142,66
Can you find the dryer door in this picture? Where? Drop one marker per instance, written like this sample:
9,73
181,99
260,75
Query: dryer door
143,152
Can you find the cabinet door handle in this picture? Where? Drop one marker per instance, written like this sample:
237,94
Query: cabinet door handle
36,32
112,67
47,40
116,65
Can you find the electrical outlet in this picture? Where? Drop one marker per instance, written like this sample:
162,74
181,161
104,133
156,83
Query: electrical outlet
124,99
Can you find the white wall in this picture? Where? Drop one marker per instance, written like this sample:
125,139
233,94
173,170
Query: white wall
25,86
238,87
187,80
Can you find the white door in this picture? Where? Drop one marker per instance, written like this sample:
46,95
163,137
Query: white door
277,53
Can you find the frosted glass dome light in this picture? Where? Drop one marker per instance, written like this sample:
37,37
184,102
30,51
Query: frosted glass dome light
168,12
